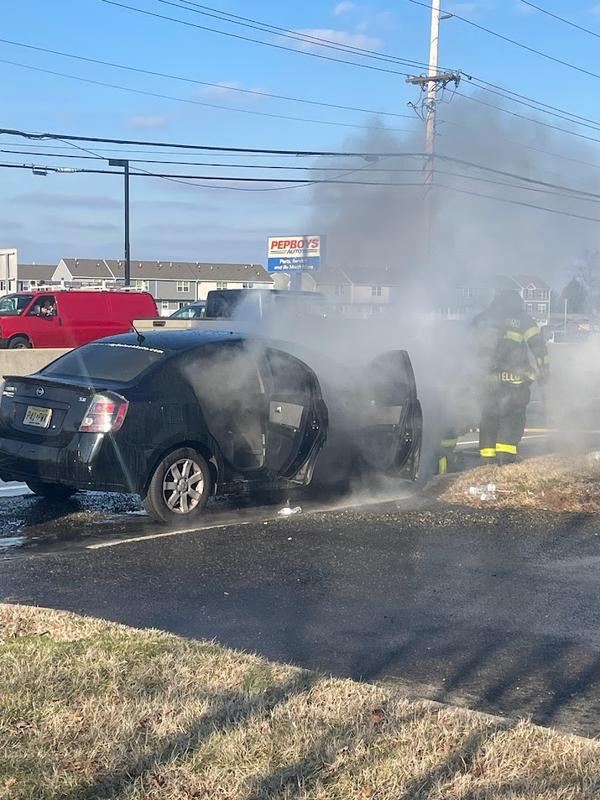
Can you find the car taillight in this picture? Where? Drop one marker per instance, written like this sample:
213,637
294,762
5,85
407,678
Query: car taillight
105,414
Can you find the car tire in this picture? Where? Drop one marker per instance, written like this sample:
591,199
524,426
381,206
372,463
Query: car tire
51,491
19,343
179,487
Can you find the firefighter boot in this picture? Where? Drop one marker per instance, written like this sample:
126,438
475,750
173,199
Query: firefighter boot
502,459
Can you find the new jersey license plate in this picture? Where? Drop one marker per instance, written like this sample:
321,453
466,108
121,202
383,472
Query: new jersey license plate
37,417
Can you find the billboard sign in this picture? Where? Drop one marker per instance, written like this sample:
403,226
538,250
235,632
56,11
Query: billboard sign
294,253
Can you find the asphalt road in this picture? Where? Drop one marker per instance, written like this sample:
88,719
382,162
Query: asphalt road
496,611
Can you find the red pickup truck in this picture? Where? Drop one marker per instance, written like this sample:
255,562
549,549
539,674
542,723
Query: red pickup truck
69,318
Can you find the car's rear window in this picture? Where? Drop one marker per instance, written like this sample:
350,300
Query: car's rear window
105,361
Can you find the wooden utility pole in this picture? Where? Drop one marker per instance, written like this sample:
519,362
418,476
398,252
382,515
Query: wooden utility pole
430,84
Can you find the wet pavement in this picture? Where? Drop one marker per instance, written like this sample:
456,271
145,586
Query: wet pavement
498,611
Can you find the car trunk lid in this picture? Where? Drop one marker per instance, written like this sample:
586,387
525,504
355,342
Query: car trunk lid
43,410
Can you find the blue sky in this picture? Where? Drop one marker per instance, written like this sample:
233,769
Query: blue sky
81,215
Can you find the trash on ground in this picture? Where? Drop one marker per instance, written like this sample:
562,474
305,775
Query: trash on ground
286,511
485,491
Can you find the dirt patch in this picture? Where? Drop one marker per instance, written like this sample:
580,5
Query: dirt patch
91,710
551,483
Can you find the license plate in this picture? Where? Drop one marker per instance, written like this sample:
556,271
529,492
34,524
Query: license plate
37,417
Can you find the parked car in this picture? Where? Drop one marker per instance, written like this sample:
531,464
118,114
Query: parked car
69,318
181,415
191,311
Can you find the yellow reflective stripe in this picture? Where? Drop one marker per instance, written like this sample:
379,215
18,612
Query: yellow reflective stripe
442,465
531,332
449,442
506,448
488,452
514,336
546,359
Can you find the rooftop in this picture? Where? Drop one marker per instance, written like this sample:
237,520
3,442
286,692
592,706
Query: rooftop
114,269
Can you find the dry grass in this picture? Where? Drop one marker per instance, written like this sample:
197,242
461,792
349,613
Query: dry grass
90,709
552,483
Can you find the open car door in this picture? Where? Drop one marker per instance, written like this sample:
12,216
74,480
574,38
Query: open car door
297,417
391,420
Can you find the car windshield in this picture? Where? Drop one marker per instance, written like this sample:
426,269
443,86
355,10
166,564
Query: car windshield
110,361
14,304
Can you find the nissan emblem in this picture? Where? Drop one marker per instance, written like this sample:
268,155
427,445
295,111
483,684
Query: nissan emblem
40,391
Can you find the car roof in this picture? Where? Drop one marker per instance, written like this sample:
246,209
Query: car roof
175,341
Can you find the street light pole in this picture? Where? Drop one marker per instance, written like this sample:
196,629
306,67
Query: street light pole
118,162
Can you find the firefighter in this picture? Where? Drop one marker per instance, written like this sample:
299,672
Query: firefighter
513,354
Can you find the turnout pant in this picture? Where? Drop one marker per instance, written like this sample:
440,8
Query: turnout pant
503,418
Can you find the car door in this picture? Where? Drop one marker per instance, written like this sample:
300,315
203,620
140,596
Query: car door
390,428
229,387
296,417
44,322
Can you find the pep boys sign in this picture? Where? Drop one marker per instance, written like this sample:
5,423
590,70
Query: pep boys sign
291,253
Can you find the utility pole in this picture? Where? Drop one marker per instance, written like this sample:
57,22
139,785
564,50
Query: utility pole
430,84
118,162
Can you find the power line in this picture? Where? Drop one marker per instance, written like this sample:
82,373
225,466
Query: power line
314,153
169,76
209,148
508,39
528,119
305,38
250,39
561,19
196,102
536,105
99,157
519,203
534,149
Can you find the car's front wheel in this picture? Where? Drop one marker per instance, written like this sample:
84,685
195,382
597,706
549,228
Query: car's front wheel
51,491
179,487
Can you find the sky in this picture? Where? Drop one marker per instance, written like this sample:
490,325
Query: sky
75,215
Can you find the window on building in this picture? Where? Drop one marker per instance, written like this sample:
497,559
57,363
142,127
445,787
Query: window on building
529,308
165,305
375,291
338,290
2,286
221,284
248,285
143,286
542,308
183,286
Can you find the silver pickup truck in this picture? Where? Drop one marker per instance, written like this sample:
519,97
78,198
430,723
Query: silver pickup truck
244,305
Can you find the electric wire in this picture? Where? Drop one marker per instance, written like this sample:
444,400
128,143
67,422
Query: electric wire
220,86
189,24
190,101
305,38
508,39
561,19
210,148
518,203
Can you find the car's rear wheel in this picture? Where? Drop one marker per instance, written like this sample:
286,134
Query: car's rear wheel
179,487
19,343
51,491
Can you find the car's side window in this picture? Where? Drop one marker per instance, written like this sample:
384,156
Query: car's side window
288,375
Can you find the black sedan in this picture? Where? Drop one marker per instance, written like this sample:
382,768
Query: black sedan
179,416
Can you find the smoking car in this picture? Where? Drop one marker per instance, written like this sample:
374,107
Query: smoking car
179,416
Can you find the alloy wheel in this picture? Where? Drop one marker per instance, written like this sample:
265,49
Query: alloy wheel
183,485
